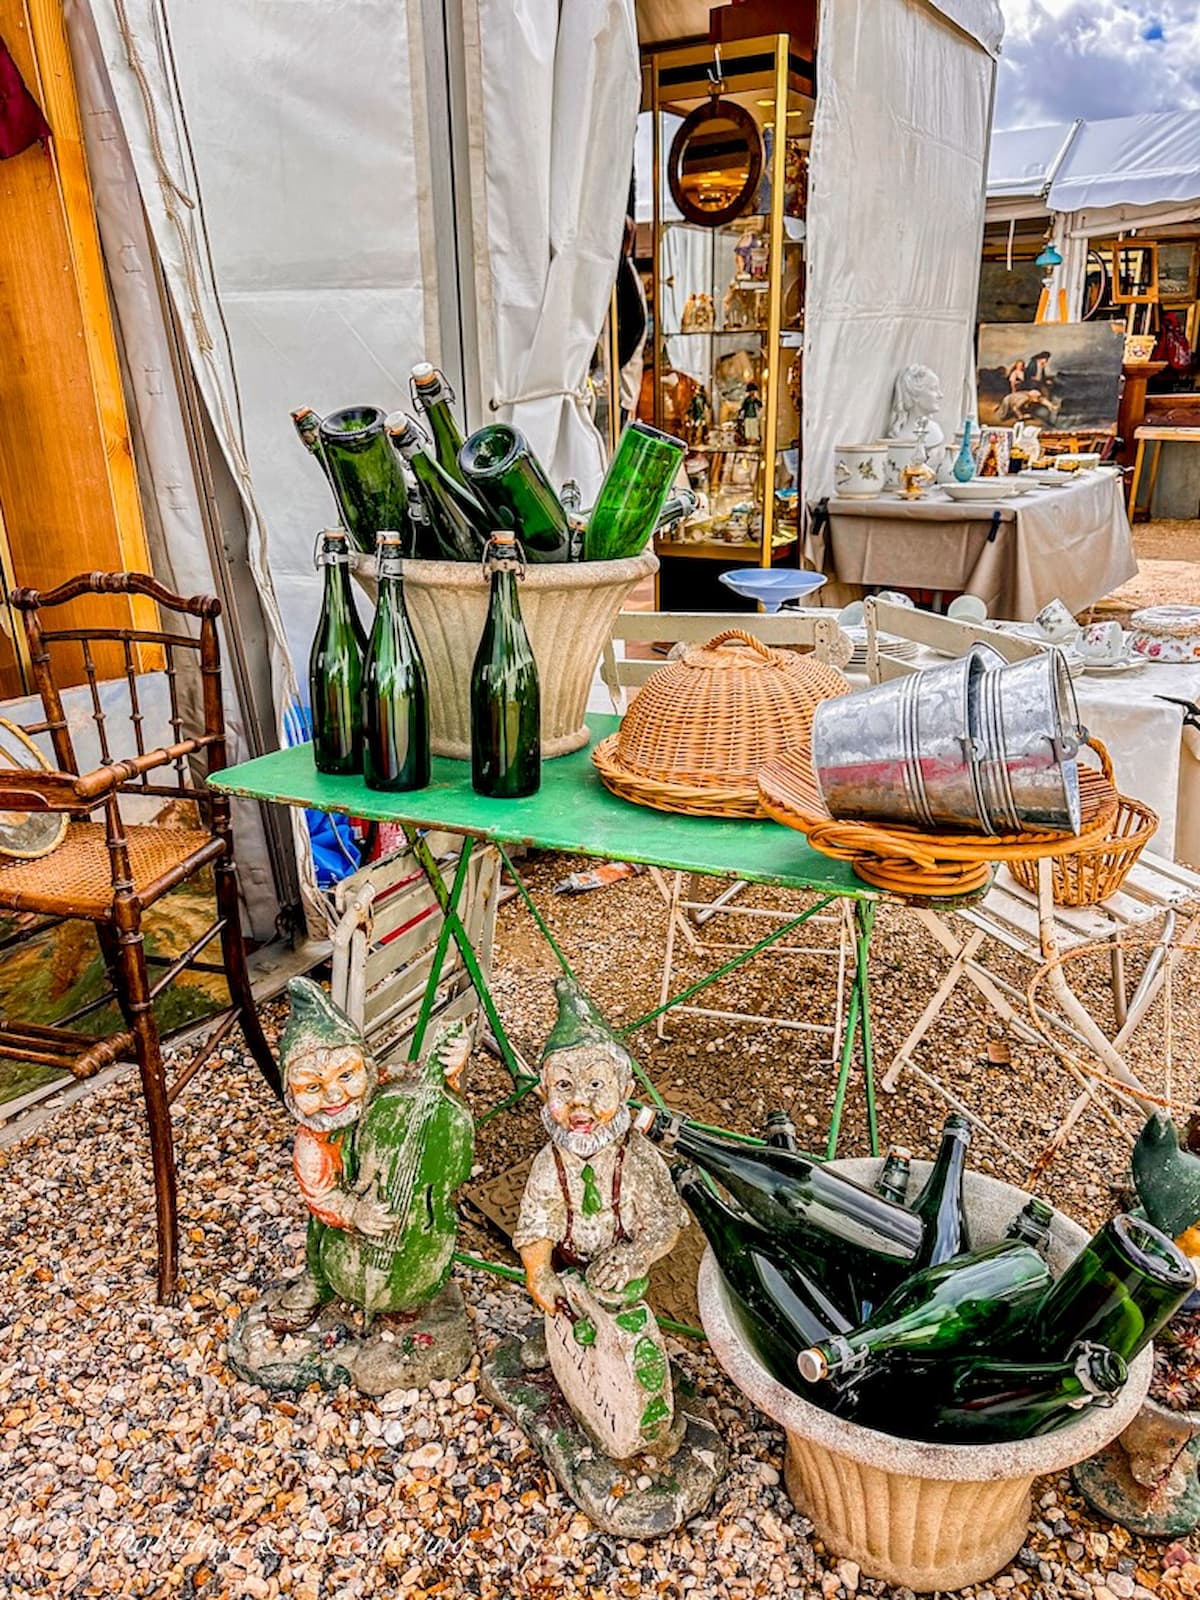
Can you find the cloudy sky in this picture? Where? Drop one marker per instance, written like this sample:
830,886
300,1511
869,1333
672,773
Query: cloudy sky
1096,58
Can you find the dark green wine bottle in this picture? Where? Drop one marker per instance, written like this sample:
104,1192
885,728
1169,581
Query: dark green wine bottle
335,664
974,1301
976,1400
1032,1225
1126,1282
506,751
459,525
781,1130
395,697
633,493
892,1181
508,479
782,1309
366,475
799,1202
308,430
435,396
940,1202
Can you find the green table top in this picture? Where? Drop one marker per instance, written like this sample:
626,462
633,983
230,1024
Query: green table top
572,811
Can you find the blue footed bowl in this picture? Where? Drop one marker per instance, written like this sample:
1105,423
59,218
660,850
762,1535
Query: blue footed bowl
772,585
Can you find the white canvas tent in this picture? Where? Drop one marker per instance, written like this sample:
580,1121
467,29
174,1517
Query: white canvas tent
329,190
1097,180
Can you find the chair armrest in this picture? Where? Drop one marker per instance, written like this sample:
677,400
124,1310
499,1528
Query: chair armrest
33,790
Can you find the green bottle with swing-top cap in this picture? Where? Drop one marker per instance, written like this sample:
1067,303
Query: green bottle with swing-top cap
506,752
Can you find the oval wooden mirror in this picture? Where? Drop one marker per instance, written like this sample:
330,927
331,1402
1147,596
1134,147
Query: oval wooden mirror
715,163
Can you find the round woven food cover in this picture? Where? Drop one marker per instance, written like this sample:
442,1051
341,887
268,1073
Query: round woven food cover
701,727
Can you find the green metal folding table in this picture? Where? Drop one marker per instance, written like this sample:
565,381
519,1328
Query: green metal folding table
573,812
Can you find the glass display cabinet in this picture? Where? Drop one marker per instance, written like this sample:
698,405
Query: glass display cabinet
731,132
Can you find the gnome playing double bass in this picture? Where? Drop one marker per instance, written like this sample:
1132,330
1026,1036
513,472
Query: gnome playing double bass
376,1163
599,1198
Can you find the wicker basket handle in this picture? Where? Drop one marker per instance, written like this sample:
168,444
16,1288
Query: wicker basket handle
1101,750
742,637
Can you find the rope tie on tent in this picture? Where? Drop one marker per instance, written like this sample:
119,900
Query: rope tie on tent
497,403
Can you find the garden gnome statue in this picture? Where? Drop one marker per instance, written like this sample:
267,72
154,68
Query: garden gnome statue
595,1392
916,400
377,1163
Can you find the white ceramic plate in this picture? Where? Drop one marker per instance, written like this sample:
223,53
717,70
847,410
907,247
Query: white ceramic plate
1114,669
980,489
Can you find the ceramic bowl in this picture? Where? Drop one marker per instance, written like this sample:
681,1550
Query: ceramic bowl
1166,633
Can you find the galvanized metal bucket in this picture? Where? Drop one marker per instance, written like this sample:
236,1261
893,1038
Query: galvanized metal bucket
1030,733
907,750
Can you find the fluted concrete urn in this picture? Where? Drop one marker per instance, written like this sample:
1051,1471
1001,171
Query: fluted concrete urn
929,1516
569,609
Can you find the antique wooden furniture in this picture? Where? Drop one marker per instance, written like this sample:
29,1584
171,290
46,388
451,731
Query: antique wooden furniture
109,872
1157,437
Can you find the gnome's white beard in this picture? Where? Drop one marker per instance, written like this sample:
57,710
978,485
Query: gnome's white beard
586,1145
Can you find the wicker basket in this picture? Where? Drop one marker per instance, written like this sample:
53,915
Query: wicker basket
924,863
1087,876
701,727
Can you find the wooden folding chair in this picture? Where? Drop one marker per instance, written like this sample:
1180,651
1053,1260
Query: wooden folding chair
689,908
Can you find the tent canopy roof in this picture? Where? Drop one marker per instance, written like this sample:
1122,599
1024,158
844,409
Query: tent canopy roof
1143,160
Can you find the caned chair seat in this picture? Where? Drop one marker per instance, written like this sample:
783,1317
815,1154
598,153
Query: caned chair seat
75,880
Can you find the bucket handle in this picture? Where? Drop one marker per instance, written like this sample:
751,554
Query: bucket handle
1099,749
742,637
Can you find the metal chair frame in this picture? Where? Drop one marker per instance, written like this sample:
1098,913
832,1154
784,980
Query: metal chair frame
118,923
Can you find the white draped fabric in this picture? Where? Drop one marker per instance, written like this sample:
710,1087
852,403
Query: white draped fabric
558,97
895,218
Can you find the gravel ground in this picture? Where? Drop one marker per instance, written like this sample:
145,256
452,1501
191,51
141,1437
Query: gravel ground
133,1463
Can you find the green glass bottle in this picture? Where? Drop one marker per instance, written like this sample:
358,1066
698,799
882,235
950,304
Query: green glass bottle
335,664
633,493
308,430
804,1206
395,697
366,475
1126,1282
780,1130
508,479
460,528
435,396
1032,1225
975,1301
940,1202
506,751
976,1400
781,1309
892,1181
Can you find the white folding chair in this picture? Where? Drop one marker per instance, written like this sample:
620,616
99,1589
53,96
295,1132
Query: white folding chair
689,911
1031,925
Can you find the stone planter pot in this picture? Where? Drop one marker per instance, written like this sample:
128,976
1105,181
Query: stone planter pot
1147,1479
929,1516
569,610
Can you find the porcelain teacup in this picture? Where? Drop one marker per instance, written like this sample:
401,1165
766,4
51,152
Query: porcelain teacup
967,608
1102,643
1057,623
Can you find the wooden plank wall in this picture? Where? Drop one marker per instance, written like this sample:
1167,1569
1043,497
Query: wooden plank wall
68,490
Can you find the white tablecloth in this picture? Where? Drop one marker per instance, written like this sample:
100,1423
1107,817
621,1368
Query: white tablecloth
1073,543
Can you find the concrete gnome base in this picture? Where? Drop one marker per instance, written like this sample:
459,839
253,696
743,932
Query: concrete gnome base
637,1497
377,1164
598,1210
402,1351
